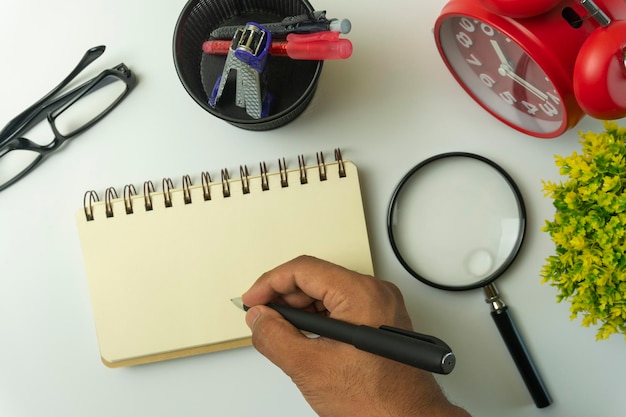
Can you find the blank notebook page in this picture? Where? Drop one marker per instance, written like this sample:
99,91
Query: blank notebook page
161,281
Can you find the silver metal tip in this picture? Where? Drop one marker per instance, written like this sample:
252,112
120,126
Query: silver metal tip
237,302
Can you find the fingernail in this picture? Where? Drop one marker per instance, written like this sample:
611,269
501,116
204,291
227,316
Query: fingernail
252,316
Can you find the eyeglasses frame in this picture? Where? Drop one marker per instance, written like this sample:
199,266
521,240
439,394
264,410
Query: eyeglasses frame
51,107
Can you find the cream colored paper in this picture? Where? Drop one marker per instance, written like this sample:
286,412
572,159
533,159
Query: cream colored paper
161,281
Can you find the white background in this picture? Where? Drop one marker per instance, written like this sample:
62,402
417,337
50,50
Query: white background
391,105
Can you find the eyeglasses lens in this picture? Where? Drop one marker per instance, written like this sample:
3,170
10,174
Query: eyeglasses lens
100,98
13,163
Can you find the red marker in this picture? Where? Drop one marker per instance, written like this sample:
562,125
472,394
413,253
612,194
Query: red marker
312,46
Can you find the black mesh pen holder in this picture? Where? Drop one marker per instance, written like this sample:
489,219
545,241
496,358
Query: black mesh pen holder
291,83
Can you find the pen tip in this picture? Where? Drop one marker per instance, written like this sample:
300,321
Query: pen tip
239,303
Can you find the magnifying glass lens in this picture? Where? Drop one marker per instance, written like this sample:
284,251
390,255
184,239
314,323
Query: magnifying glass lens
456,221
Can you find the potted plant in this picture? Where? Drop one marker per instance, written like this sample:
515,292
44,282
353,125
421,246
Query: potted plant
589,231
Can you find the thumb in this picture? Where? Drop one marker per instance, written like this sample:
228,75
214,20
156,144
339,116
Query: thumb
280,342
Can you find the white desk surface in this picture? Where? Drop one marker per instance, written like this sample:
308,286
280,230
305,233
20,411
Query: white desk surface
391,105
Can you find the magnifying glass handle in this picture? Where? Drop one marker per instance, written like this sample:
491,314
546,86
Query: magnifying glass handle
513,340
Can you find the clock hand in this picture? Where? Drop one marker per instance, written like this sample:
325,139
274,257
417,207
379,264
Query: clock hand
501,56
506,71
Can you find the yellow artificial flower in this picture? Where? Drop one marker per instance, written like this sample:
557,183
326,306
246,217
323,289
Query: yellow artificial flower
611,183
589,231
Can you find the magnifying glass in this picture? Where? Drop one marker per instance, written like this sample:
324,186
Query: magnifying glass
456,222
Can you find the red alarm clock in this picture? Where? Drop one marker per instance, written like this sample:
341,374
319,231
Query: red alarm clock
538,65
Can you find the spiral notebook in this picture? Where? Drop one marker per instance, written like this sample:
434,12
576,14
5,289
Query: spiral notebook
162,264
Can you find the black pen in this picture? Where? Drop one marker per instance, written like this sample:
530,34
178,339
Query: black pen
415,349
306,23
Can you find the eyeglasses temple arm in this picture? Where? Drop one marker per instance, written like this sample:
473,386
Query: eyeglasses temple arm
90,56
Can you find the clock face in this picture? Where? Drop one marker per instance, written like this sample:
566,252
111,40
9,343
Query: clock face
501,76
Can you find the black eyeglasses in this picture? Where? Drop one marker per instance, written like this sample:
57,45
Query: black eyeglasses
67,115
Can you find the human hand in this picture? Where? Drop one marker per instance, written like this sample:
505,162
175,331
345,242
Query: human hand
335,378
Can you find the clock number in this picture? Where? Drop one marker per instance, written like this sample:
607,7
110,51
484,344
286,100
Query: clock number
508,97
554,98
549,109
467,25
464,39
487,30
487,80
546,107
474,61
530,108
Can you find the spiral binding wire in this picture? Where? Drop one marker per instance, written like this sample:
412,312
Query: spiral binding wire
225,183
265,183
186,189
302,167
90,198
282,169
129,191
322,166
110,194
148,189
245,180
206,189
342,166
168,185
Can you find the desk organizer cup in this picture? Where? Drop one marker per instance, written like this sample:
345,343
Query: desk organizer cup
291,83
